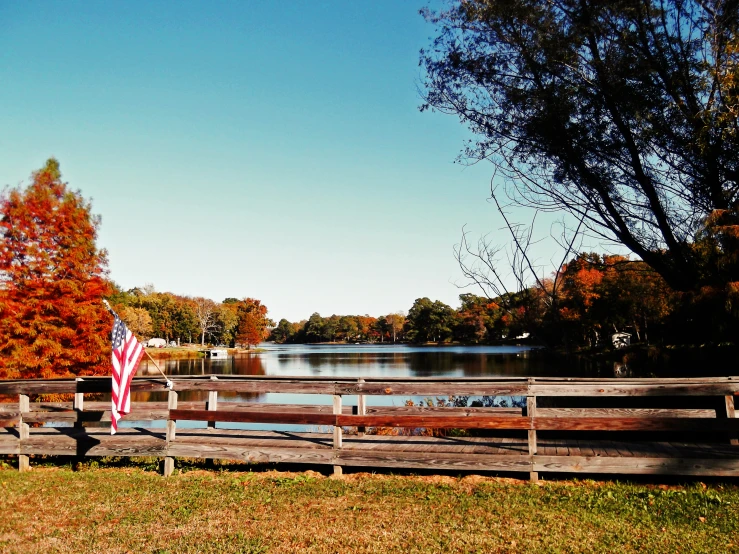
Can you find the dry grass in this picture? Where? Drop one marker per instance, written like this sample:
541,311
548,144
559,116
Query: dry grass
54,509
175,353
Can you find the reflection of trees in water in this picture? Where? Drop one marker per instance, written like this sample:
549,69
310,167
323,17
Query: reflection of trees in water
431,364
380,359
513,365
237,365
248,365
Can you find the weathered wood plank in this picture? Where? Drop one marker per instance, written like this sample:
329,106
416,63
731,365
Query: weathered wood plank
436,421
637,466
252,416
633,424
255,455
625,412
635,389
9,443
544,423
412,388
121,444
437,461
10,419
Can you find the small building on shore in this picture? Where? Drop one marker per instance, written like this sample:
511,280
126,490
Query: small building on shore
218,353
621,340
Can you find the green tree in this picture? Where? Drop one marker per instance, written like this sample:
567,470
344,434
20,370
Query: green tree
348,328
227,320
314,328
429,321
330,328
282,333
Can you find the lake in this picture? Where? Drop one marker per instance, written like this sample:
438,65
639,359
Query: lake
349,360
369,360
366,360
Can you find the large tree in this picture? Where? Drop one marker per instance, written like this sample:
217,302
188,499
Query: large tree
621,113
253,322
429,321
52,281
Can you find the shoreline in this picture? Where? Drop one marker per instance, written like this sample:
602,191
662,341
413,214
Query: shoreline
185,353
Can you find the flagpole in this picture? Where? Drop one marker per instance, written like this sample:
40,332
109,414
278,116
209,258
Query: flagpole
170,384
156,365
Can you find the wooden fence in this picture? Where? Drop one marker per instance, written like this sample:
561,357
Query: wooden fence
695,435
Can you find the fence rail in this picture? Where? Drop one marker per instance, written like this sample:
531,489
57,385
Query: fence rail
682,439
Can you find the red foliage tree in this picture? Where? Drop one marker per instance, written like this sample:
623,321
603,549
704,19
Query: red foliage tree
253,322
52,281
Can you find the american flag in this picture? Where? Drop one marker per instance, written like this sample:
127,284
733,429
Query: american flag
127,353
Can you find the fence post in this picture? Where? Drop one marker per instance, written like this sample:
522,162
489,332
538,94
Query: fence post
79,402
531,413
23,432
361,409
731,413
337,432
212,401
171,430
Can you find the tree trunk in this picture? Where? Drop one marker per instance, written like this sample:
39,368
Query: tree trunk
646,338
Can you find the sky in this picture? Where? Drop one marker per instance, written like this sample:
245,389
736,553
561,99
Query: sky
271,150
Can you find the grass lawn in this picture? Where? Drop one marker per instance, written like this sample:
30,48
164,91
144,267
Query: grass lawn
133,509
174,352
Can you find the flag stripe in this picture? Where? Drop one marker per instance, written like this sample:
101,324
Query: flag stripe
126,356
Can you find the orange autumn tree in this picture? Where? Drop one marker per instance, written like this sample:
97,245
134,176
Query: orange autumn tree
253,322
52,281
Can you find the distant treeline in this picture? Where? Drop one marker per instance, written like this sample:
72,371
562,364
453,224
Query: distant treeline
583,304
590,298
192,319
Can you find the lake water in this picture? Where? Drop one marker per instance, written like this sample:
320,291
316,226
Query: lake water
357,361
366,360
371,361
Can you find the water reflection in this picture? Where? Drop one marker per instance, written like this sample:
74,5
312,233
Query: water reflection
237,365
369,361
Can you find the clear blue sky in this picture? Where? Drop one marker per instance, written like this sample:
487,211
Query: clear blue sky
264,149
